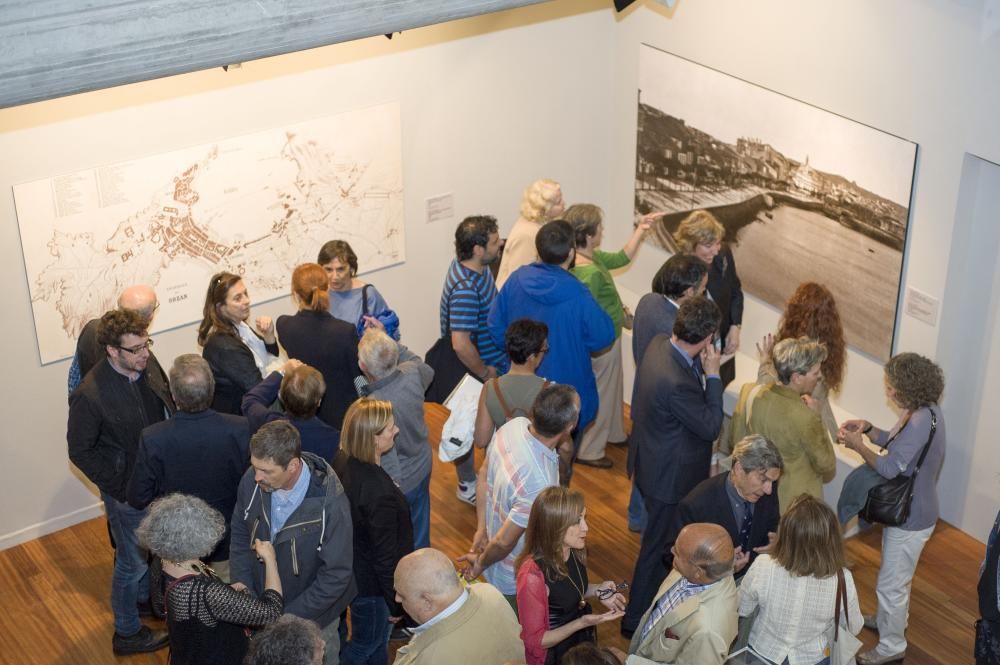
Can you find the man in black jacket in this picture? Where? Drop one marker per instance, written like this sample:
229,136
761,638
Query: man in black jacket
743,501
107,413
294,499
199,451
676,415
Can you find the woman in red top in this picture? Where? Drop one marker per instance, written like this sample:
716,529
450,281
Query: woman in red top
552,583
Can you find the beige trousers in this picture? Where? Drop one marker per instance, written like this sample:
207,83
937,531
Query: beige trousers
609,425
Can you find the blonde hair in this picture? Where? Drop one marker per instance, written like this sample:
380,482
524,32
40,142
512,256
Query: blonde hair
796,356
698,228
537,200
364,419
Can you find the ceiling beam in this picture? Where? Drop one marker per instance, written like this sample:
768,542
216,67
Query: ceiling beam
53,48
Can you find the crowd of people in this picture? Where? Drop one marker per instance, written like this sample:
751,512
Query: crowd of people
275,489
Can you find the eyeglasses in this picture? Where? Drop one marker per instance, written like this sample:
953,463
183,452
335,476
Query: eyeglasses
604,594
137,349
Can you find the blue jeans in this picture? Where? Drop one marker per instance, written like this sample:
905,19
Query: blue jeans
129,582
419,499
370,629
636,510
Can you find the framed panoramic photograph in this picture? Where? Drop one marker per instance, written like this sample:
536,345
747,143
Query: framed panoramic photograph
804,194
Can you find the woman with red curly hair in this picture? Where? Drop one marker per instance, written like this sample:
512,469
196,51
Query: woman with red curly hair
811,312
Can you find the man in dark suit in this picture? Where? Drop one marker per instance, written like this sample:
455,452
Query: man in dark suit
743,501
676,415
199,451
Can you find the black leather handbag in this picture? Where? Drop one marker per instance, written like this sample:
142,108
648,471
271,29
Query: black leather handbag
889,503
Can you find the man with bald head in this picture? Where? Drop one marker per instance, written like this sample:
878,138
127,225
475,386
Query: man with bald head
457,626
693,619
140,299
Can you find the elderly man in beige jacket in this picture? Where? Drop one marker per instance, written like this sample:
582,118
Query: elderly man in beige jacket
693,619
458,626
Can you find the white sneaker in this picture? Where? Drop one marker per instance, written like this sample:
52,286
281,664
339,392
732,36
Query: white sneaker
466,493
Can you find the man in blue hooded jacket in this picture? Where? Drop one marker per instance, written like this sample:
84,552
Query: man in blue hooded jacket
546,291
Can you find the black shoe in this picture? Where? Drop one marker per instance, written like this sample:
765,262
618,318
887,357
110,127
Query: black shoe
599,463
145,640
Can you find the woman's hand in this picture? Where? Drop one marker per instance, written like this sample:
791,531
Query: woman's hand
764,347
647,220
732,341
265,326
372,322
615,601
852,438
588,620
265,551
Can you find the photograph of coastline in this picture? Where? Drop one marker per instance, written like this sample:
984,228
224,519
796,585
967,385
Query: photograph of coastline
804,194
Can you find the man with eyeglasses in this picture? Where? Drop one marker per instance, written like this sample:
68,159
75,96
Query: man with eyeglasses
107,413
138,298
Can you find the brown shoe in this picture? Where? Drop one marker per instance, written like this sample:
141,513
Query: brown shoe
599,463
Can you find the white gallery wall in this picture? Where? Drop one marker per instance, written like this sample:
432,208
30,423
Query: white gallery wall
488,105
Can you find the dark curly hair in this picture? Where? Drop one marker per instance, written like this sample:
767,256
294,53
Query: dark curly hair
812,312
918,381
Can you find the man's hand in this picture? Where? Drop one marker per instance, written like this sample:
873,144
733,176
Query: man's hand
711,360
289,365
470,570
765,549
239,586
479,541
740,560
813,403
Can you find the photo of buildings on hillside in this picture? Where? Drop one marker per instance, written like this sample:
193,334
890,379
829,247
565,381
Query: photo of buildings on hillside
804,194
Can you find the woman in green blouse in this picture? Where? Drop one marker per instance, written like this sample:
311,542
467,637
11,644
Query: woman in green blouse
593,268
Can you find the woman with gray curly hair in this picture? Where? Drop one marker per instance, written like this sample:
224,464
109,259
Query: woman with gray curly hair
207,618
914,385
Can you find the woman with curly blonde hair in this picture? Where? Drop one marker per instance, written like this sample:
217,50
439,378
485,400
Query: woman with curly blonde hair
700,234
542,202
811,312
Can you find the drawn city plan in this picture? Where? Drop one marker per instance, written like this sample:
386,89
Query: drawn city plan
256,205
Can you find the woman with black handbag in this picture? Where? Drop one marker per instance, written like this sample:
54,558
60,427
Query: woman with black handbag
914,448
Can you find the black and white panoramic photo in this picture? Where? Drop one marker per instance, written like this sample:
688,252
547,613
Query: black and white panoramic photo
804,194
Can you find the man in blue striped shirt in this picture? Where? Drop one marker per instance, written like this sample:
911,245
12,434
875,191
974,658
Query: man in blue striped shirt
465,305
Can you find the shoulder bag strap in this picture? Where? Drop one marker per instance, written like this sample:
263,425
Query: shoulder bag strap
507,412
841,601
364,299
927,446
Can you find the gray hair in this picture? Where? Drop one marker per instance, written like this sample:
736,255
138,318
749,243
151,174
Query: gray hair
180,527
796,356
378,352
556,407
191,383
290,640
756,453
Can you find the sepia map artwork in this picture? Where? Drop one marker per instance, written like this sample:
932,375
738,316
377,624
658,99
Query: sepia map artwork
804,194
256,205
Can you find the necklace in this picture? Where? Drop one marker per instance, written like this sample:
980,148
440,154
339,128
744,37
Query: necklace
569,576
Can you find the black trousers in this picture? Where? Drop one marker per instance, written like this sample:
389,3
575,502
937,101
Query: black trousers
649,569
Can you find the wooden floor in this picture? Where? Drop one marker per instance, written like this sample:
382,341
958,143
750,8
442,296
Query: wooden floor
54,591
